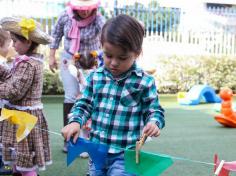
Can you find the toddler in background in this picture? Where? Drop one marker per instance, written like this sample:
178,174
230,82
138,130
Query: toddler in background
5,41
6,54
87,62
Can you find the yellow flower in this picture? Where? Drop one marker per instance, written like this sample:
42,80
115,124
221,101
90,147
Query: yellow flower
77,56
94,54
27,26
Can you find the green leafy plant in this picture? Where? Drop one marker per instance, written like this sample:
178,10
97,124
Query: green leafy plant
52,85
180,73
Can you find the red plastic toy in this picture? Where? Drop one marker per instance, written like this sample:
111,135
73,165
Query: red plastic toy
227,117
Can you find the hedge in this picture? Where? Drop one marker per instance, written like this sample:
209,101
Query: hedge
179,73
176,73
52,84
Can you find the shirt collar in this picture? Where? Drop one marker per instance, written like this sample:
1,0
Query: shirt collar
134,69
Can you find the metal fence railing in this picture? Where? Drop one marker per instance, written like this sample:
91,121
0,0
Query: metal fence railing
215,36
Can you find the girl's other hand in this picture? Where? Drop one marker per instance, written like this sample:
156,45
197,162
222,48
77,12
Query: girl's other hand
151,129
71,130
53,63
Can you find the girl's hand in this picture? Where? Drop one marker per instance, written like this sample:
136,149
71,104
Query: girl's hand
52,63
151,129
72,129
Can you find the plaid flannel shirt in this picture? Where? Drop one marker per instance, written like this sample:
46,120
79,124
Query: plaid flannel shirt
89,35
119,108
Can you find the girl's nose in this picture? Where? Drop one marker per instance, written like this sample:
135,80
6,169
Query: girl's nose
114,63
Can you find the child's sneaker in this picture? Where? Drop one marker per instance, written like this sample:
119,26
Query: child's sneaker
84,155
5,170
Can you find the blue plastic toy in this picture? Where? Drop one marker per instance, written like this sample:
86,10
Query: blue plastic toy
197,94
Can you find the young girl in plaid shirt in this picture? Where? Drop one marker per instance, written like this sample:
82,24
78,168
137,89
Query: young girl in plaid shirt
22,87
120,98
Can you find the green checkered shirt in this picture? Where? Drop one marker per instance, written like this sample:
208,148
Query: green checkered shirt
119,108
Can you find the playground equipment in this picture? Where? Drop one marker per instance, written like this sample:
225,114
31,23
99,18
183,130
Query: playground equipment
227,117
198,93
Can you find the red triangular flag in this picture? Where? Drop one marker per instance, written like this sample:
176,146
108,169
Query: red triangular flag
223,171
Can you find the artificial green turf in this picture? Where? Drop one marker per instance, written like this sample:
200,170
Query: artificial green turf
53,108
190,133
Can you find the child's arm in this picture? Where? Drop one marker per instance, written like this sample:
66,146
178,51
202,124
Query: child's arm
153,113
4,72
57,35
52,60
82,83
16,86
81,78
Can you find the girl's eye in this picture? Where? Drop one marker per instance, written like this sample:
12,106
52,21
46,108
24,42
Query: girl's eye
123,58
108,56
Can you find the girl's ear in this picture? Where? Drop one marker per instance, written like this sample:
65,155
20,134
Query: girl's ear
28,43
138,53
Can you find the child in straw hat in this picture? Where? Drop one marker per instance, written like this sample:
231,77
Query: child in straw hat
81,26
22,87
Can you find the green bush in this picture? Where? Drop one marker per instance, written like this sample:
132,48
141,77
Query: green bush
52,85
178,73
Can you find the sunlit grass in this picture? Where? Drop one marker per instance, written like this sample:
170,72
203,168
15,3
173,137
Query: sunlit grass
191,133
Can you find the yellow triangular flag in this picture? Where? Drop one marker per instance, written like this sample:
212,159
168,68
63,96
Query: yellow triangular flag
23,120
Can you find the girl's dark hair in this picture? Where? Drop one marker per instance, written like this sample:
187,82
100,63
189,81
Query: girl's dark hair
125,32
33,46
87,60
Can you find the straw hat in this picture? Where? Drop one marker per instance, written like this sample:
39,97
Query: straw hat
28,28
84,4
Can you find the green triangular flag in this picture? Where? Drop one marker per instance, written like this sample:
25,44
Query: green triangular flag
149,164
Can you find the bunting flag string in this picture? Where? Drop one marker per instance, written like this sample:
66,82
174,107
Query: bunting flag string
150,163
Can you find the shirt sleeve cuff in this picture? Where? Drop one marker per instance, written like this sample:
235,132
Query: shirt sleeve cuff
157,122
75,119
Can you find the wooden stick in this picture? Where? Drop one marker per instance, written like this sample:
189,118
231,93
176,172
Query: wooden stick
139,144
137,149
143,139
